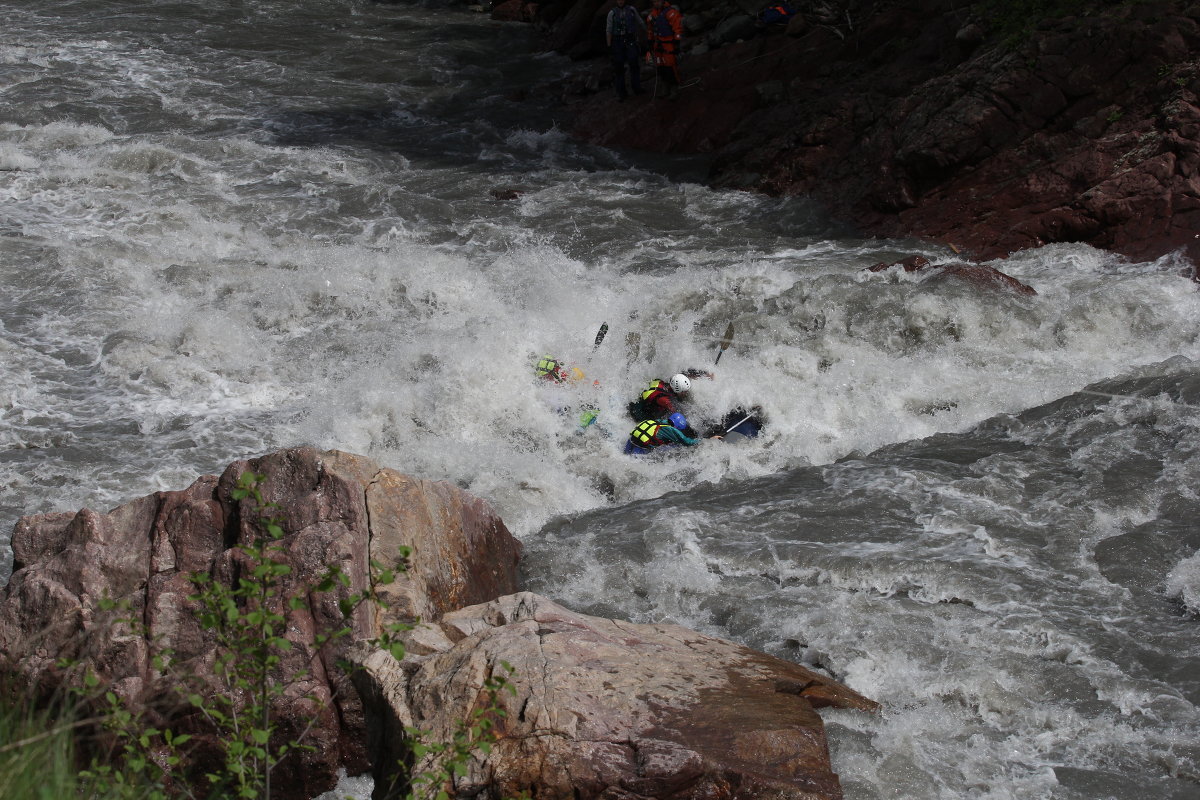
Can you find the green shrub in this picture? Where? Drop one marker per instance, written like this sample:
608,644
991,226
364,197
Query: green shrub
37,757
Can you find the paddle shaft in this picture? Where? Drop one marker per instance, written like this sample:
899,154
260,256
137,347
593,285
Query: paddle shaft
725,342
740,421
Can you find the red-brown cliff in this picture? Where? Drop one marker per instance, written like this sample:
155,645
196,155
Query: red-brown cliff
942,119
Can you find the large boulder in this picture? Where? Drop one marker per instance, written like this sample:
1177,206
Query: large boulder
336,509
603,709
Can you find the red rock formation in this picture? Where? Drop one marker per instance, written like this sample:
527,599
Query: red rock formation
336,508
927,118
606,709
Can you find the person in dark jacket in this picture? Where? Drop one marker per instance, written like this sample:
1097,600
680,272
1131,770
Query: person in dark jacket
625,31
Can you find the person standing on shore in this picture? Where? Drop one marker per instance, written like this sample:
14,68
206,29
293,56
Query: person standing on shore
666,33
625,31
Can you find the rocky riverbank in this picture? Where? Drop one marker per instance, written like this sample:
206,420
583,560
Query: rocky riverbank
598,708
957,122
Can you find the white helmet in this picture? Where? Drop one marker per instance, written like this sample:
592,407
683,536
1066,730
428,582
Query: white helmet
680,384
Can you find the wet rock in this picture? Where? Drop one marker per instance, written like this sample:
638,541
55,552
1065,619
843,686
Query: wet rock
336,509
731,29
976,274
606,709
970,35
986,277
515,11
909,263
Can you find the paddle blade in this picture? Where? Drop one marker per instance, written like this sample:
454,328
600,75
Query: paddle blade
601,334
726,340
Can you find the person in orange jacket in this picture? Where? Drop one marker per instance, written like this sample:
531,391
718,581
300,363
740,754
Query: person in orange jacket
665,25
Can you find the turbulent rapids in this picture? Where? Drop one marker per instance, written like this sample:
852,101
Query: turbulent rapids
231,230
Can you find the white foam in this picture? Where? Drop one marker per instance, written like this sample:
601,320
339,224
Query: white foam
1183,583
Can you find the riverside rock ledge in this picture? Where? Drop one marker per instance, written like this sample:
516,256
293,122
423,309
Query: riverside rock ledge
604,709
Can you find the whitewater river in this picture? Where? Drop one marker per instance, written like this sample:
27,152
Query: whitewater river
231,227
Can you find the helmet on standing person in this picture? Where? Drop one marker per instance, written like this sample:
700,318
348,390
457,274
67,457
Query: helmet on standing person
680,383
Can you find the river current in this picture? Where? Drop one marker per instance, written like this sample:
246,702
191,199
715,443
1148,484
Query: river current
230,227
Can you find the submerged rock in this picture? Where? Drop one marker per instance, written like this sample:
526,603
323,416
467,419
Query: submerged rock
977,274
604,708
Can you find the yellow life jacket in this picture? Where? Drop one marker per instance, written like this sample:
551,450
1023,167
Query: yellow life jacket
547,368
655,386
644,435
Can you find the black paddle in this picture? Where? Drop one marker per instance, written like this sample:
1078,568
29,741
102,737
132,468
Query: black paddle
728,340
600,335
